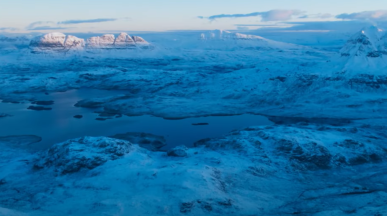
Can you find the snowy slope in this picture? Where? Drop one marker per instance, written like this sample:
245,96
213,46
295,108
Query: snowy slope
279,170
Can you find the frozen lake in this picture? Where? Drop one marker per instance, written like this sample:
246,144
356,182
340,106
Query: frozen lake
58,124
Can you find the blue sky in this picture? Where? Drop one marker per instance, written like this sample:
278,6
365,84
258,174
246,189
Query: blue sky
160,15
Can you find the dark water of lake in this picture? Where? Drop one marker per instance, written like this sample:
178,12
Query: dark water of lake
58,124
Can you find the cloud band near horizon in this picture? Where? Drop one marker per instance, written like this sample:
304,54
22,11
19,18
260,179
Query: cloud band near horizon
99,20
272,15
377,15
49,25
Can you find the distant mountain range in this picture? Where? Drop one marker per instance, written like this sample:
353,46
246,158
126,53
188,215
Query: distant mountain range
60,42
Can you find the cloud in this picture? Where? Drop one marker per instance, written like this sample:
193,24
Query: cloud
272,15
243,28
253,25
42,28
33,25
378,15
71,22
49,25
335,26
317,16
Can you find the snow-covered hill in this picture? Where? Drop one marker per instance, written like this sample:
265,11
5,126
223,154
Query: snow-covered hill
219,39
122,41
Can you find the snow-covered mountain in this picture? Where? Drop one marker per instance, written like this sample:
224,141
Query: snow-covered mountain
56,42
60,42
369,42
122,41
366,52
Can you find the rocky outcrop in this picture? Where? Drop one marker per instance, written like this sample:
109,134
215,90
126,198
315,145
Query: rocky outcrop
123,41
308,148
56,42
299,169
82,153
145,140
178,151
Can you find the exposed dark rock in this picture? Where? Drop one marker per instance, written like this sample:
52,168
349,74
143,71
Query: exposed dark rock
201,142
2,182
280,78
10,101
46,103
78,116
314,154
89,104
179,151
106,114
186,207
39,108
149,141
198,124
101,119
293,120
226,203
2,115
205,205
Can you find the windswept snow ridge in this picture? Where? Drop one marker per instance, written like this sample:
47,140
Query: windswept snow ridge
227,39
